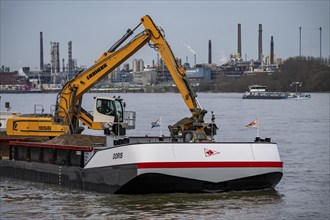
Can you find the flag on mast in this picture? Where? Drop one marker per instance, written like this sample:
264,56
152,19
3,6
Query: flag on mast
254,124
156,123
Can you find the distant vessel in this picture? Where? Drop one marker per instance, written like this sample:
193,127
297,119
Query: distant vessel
259,92
298,95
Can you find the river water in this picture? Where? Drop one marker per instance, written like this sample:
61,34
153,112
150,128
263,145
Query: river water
299,127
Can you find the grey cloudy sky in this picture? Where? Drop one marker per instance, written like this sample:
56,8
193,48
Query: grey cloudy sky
93,26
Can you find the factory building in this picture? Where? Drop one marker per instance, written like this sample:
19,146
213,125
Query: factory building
138,65
199,73
149,77
236,67
120,76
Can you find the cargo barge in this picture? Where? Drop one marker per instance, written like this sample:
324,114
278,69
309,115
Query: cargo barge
140,165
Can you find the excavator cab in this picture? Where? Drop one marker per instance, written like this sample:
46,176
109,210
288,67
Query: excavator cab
108,110
111,115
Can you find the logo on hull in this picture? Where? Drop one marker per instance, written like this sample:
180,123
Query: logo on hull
209,152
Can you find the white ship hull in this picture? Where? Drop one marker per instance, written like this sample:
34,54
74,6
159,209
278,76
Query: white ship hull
193,167
149,168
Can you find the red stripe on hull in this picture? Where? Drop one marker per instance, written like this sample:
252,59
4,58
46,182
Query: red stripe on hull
51,146
245,164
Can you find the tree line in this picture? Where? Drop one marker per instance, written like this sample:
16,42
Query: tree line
314,73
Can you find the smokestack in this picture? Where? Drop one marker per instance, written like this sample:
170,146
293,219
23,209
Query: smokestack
300,42
239,42
63,65
320,42
271,50
41,53
260,44
57,57
195,59
70,63
210,52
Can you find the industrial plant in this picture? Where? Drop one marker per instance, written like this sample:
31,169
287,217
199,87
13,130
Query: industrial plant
53,75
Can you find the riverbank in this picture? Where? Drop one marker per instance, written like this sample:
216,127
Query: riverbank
313,73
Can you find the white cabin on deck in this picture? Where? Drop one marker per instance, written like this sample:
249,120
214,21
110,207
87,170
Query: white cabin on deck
257,88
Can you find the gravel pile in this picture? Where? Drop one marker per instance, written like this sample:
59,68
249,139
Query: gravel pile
78,140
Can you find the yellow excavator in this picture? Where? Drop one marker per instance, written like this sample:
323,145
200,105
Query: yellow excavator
68,110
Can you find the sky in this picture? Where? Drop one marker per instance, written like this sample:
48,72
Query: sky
94,26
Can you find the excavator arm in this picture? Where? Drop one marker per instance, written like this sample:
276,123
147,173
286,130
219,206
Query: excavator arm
177,72
179,76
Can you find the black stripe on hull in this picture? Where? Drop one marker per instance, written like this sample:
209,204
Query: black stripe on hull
124,179
160,183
